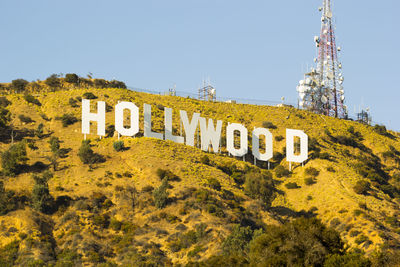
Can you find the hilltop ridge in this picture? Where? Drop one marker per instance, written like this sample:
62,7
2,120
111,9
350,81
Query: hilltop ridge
147,200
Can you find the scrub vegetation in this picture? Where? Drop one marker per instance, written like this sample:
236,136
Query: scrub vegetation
65,201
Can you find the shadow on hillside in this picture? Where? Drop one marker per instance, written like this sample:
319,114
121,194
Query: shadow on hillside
37,167
281,211
8,135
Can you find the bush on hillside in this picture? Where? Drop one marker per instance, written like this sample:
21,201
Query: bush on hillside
362,187
268,125
117,84
281,171
4,102
119,146
19,85
160,195
41,199
238,240
309,181
68,119
71,78
12,158
39,131
87,155
25,119
53,81
302,242
31,99
292,185
89,95
260,186
5,117
310,171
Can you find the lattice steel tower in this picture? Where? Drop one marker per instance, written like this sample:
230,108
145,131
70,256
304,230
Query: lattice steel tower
321,90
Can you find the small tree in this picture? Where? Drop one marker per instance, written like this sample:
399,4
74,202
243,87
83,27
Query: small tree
39,131
259,186
160,195
87,155
362,187
5,117
12,158
19,85
71,78
119,146
41,199
53,81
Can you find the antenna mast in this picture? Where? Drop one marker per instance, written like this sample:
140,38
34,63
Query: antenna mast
321,91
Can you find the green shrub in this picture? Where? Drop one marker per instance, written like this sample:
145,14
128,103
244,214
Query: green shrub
5,117
353,259
31,99
292,185
160,195
71,78
89,95
4,102
12,158
268,125
260,186
166,174
25,119
302,242
119,146
362,187
41,199
237,241
309,181
19,85
39,131
310,171
87,155
330,169
68,119
281,171
53,81
117,84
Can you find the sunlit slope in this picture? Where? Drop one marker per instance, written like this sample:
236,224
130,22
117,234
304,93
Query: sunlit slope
340,163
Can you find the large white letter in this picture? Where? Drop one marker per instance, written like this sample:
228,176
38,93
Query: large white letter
99,117
209,134
147,124
190,127
268,144
168,127
230,139
119,118
290,156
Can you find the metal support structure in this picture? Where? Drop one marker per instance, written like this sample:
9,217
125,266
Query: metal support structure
321,91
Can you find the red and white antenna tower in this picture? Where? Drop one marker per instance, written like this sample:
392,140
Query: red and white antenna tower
322,88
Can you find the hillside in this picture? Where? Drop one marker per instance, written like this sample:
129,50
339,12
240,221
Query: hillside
107,211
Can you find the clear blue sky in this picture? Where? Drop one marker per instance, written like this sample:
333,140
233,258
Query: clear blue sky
250,49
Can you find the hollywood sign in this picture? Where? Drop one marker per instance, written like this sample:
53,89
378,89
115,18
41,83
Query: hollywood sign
210,134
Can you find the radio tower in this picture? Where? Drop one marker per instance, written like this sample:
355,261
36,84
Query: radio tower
321,91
